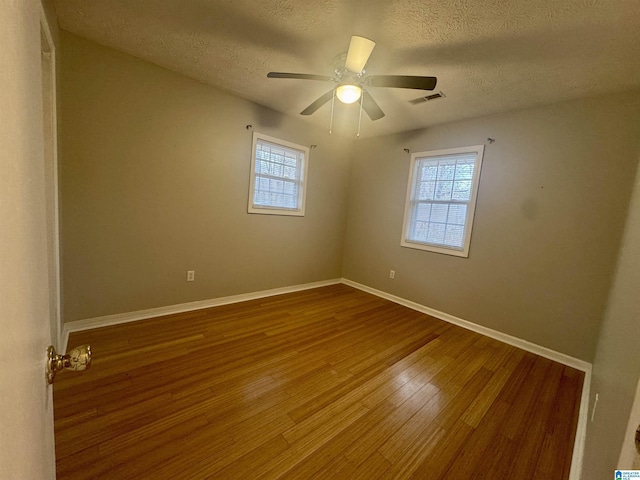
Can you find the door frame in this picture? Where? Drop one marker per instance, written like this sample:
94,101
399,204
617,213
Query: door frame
629,457
48,50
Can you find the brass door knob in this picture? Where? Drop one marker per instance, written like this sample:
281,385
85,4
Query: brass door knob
77,359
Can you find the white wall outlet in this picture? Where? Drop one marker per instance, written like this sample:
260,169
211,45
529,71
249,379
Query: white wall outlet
392,274
191,275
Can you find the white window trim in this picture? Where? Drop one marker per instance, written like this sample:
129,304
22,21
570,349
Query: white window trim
302,191
464,252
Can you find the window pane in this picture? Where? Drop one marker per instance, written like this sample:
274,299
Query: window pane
288,201
446,170
443,190
426,190
289,172
429,171
435,233
464,171
419,232
423,211
454,235
275,186
457,214
461,190
439,213
290,188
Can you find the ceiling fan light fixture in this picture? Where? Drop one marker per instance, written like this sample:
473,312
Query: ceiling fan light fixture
348,93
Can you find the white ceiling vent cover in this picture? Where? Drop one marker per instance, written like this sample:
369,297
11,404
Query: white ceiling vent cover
428,98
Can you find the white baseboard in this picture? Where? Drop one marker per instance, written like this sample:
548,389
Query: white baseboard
503,337
108,320
577,458
586,367
578,449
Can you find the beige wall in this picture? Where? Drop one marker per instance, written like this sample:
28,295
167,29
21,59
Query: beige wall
154,182
617,362
52,20
551,207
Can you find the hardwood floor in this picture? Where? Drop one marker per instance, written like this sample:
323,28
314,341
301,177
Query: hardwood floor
330,383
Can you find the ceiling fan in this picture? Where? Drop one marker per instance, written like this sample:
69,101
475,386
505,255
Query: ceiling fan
350,81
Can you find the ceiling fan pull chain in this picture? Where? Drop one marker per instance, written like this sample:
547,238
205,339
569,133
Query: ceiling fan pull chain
333,99
360,116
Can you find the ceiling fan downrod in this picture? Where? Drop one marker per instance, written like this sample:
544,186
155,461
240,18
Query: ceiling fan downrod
360,115
333,101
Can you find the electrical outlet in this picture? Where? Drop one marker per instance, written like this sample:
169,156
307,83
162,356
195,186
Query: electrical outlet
392,274
191,275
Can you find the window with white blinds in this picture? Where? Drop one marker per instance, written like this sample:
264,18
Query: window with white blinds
441,198
277,176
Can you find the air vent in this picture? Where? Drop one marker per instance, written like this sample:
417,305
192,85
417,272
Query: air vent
433,96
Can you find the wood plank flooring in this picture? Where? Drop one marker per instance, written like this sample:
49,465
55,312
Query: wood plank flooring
329,383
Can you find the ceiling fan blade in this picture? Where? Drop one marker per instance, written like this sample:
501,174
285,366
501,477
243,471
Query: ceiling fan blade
318,103
402,81
360,49
370,106
300,76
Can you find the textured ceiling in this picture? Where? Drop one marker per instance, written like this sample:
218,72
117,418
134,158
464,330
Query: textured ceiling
489,56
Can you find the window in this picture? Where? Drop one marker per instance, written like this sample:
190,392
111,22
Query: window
441,199
277,176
